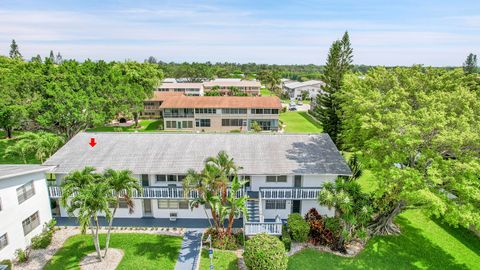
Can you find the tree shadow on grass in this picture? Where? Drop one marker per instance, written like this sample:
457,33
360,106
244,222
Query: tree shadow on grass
465,236
70,254
309,119
410,250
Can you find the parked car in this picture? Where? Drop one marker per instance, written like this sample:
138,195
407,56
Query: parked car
299,103
292,107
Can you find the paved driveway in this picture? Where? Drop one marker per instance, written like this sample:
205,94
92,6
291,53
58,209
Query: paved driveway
189,256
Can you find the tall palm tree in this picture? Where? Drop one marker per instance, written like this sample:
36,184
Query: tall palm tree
85,195
227,168
122,185
236,205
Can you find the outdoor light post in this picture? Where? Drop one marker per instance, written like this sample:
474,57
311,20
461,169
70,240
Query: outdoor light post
210,251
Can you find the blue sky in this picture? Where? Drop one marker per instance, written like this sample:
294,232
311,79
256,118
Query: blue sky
437,33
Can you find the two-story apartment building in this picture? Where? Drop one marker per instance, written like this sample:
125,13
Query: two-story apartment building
189,89
24,206
220,113
285,172
151,107
251,88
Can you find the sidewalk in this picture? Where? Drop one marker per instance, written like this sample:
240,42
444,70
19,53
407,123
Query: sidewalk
190,252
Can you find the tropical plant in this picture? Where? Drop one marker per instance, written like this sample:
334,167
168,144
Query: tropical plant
41,144
123,185
351,205
256,127
85,195
265,252
23,255
20,149
212,185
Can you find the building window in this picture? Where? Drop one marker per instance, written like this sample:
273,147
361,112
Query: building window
275,204
234,111
25,192
145,182
3,241
233,122
187,124
122,203
172,204
170,177
264,111
30,223
205,111
277,178
202,122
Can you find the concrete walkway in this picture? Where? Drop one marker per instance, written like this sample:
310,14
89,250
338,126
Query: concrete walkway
189,256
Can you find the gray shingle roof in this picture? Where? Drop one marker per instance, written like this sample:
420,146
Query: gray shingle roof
163,153
7,171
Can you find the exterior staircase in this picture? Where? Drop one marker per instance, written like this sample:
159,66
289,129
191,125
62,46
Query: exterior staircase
253,211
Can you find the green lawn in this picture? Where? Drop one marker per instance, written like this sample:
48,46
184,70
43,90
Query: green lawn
141,251
299,122
423,244
222,260
145,126
265,92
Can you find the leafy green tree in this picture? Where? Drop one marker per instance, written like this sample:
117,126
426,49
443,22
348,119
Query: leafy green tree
470,64
14,51
339,62
418,130
123,185
85,195
256,127
271,79
11,117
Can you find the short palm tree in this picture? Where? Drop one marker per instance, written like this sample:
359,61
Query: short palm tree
85,194
122,185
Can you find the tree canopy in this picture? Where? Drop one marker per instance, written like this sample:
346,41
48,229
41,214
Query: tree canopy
419,131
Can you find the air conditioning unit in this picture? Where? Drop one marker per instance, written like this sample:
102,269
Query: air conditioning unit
173,216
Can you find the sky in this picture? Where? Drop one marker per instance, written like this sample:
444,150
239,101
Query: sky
432,33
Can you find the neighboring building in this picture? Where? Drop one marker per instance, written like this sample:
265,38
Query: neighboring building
295,89
189,89
169,80
226,80
151,107
220,113
285,172
251,88
24,206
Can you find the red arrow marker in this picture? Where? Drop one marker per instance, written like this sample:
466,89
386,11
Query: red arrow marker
92,142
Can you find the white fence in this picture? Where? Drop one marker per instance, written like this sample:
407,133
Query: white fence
293,193
272,228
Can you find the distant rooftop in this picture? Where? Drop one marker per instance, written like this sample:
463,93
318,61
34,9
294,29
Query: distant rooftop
226,80
161,96
222,102
232,83
171,85
167,153
292,85
8,171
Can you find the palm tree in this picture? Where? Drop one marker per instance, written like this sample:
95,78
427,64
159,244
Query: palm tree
41,144
236,205
85,194
122,185
227,168
20,149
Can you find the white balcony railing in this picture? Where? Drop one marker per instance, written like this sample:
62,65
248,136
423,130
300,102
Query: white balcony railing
301,193
148,193
272,228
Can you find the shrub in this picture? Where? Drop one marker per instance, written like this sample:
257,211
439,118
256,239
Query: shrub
286,239
22,255
265,252
225,242
8,263
298,227
44,239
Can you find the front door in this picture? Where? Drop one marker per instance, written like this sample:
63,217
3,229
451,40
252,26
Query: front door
297,181
296,206
147,207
